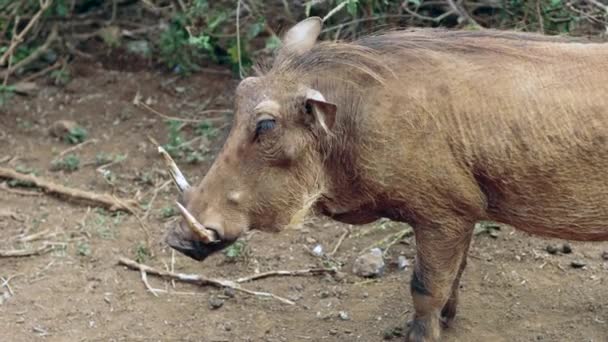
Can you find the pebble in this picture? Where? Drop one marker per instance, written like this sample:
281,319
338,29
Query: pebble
578,264
551,249
605,255
343,315
310,240
402,262
339,276
370,264
317,250
215,302
566,249
229,292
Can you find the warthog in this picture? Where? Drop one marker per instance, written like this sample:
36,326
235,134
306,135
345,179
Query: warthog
436,128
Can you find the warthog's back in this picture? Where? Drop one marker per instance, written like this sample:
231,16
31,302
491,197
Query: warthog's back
527,117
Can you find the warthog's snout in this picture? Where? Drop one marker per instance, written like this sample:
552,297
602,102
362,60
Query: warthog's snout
181,240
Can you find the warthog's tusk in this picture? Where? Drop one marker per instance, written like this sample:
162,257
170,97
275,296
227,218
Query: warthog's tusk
176,174
197,228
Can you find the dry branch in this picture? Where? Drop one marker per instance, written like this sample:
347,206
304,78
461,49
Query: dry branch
309,271
20,37
5,187
33,56
105,200
13,253
197,279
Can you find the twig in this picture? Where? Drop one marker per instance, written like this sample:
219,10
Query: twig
154,194
238,37
144,279
32,237
391,239
107,201
173,266
43,7
424,17
33,56
143,225
138,103
334,10
339,243
5,283
199,280
44,248
309,271
4,187
462,12
42,72
599,5
541,21
73,148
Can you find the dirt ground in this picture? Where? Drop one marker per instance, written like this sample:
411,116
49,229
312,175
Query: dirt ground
512,290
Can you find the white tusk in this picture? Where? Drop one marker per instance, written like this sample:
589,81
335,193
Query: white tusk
176,174
197,228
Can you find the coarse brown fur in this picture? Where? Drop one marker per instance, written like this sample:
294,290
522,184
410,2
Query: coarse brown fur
436,128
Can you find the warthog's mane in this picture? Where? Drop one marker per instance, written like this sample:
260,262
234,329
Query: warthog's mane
367,56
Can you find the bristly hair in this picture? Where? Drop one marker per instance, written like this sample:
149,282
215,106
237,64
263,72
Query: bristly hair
374,56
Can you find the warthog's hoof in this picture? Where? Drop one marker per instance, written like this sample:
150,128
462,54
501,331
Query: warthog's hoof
421,330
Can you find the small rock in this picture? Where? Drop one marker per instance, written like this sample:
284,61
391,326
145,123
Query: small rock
339,276
566,249
215,302
229,292
577,264
402,262
26,88
551,249
605,255
333,332
62,127
370,264
343,315
310,240
317,250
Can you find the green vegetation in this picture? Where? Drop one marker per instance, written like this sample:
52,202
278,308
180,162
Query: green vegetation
69,163
83,249
195,34
141,253
236,251
179,148
76,135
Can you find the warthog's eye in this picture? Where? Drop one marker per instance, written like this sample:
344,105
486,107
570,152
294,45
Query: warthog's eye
308,107
264,125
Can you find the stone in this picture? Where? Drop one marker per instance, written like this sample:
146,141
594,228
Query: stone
370,264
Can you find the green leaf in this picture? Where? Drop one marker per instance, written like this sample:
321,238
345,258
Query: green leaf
201,42
351,7
273,42
255,29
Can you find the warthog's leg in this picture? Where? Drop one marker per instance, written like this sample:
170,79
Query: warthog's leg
449,309
440,259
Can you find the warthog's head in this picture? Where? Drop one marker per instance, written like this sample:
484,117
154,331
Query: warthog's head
270,169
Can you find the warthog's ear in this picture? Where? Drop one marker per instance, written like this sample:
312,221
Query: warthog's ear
320,111
303,35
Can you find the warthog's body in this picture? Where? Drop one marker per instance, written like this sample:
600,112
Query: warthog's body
437,129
